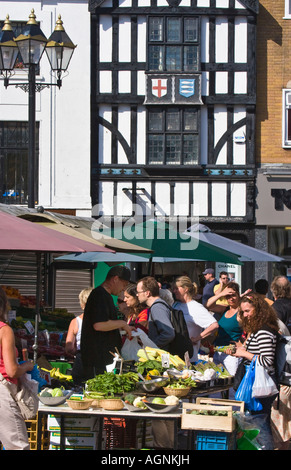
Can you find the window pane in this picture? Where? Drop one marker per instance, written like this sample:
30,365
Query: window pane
156,149
173,58
173,149
280,241
173,120
190,120
156,29
156,57
14,162
190,29
190,149
156,121
14,177
190,58
174,30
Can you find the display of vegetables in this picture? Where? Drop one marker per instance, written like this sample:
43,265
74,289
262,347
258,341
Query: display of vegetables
205,365
209,412
52,392
112,384
154,354
181,383
229,347
144,368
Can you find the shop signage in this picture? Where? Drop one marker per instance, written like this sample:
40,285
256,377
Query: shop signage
273,201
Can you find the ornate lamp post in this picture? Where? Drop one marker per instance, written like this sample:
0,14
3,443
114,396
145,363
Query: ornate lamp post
31,44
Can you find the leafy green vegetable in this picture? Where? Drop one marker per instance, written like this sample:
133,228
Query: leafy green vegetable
112,384
144,367
182,383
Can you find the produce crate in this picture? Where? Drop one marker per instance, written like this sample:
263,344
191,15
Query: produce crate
210,422
120,433
31,425
208,440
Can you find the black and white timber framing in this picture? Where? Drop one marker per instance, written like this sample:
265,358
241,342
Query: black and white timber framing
217,182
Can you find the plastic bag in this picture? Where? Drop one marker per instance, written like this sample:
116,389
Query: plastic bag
253,432
244,391
131,346
145,340
264,385
129,349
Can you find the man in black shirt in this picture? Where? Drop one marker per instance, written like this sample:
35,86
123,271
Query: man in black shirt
100,329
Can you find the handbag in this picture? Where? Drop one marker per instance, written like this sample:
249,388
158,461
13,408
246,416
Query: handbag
264,385
24,395
244,391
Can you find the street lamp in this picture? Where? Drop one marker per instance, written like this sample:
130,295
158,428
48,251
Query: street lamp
8,49
31,44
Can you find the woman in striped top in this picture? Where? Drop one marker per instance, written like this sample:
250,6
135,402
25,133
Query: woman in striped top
259,322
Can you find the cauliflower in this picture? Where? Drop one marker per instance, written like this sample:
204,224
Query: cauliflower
139,403
209,374
171,400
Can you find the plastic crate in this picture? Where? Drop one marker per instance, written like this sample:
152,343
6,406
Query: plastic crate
31,425
120,433
207,440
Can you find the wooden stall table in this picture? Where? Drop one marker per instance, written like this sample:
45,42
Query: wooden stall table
65,411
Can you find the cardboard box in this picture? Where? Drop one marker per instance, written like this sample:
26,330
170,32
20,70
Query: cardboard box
72,423
80,439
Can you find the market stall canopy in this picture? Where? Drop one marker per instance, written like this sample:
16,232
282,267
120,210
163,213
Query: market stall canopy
109,258
21,235
170,245
80,227
17,234
244,252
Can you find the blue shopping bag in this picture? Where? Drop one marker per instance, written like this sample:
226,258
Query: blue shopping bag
244,391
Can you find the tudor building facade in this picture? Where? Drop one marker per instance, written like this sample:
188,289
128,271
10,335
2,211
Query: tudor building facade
173,111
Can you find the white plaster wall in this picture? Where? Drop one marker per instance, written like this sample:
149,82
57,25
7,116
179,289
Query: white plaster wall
64,115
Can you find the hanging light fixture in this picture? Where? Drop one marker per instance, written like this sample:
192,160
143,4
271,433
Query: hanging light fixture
59,50
31,42
8,50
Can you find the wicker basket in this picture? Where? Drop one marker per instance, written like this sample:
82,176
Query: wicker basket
96,403
114,404
177,392
80,404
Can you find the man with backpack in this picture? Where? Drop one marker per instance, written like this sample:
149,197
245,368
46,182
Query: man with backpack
161,330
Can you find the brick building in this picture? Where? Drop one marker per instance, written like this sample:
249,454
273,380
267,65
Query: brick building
273,134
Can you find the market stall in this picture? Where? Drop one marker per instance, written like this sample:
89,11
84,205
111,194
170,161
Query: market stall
52,326
123,402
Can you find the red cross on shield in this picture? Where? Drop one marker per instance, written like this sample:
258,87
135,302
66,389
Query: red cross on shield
159,87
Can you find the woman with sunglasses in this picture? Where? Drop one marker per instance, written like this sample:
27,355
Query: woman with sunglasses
229,330
138,313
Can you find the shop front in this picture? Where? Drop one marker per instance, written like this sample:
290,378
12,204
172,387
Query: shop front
273,218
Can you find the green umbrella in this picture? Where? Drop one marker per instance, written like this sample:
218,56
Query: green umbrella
168,244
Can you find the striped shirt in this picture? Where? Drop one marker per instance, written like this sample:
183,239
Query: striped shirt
263,345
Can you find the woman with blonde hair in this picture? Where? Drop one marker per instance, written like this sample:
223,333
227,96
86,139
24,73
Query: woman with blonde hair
13,431
200,322
73,338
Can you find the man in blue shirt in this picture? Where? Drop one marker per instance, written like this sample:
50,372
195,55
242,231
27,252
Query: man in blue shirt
211,281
